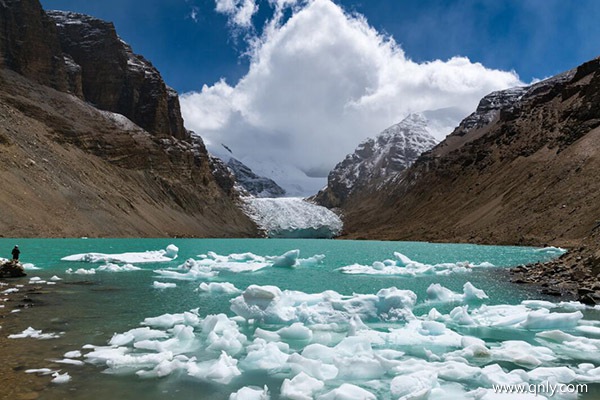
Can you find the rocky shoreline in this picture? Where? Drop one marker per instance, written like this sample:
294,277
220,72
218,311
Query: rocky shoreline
15,297
575,275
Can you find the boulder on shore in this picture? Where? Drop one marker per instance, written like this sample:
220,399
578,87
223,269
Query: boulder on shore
12,269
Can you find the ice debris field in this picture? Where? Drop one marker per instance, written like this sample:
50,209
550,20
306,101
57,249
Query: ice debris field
389,343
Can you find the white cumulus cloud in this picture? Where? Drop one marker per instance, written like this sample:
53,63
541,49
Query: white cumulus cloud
240,12
323,81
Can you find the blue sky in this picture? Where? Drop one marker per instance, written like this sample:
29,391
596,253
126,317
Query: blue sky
536,38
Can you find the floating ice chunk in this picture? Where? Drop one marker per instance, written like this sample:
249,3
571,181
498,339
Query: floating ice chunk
348,392
81,271
223,370
472,294
164,321
414,386
68,361
311,261
60,378
72,354
494,375
543,319
575,347
314,367
270,304
251,393
522,353
589,330
55,278
34,334
109,267
169,254
536,304
218,287
438,293
165,367
11,290
30,267
41,371
514,316
103,354
288,259
301,387
163,285
134,335
407,267
264,356
296,331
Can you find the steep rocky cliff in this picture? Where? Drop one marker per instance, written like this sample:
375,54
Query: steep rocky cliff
106,154
114,78
29,43
377,159
521,171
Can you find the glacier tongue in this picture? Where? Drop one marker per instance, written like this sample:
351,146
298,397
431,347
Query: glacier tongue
293,217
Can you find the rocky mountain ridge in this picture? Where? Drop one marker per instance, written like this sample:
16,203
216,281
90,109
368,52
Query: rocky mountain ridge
526,176
92,140
378,159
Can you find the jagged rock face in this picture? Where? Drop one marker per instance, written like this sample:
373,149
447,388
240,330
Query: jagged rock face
29,43
377,160
254,184
526,176
113,78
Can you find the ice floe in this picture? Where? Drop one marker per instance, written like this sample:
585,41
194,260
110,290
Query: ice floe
212,264
163,285
218,287
34,334
404,266
361,346
153,256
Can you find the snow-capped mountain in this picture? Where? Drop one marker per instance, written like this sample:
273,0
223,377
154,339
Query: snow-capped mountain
378,159
246,178
254,184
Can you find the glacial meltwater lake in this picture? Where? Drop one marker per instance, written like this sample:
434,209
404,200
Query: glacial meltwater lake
336,320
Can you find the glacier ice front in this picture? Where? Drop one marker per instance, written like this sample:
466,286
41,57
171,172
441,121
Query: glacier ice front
293,217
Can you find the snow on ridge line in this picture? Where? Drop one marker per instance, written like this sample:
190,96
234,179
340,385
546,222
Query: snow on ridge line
338,354
293,217
168,254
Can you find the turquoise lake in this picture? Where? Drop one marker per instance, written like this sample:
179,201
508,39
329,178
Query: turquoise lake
91,308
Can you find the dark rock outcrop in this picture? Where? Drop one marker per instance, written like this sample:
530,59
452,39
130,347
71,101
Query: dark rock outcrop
12,269
114,78
29,43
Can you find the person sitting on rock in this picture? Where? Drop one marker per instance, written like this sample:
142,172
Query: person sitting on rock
15,253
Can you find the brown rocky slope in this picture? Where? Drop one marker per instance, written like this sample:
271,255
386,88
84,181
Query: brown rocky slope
68,168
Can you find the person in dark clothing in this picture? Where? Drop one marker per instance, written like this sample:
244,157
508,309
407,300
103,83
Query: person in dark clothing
15,253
